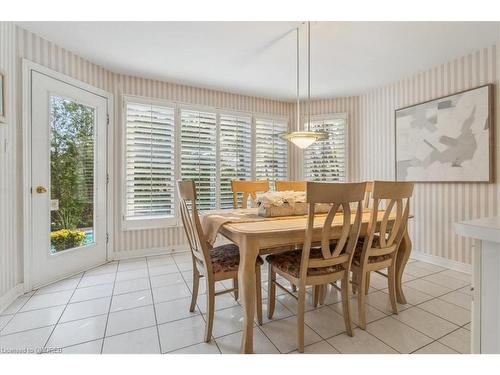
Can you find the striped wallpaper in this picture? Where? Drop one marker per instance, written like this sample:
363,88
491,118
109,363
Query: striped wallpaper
436,206
39,50
10,264
371,144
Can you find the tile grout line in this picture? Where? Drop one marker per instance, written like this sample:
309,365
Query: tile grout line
386,315
15,313
455,329
438,298
87,300
238,304
286,308
406,324
109,309
62,313
198,307
125,309
437,340
154,306
357,326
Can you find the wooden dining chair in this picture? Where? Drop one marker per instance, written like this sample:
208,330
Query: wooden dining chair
247,189
378,249
368,194
290,185
213,263
330,262
319,293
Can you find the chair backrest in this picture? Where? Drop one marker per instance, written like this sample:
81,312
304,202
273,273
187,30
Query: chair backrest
393,199
290,185
200,249
346,199
368,194
247,188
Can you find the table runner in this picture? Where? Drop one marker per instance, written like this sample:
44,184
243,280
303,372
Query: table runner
212,220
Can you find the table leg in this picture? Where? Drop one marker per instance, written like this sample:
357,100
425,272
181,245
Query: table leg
246,275
404,252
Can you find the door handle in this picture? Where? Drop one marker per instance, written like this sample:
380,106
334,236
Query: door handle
41,189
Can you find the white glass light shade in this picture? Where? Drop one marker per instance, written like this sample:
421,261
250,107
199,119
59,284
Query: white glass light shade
305,139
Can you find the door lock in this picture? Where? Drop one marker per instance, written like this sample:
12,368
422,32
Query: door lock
41,189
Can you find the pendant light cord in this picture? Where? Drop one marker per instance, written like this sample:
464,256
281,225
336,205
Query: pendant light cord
308,75
298,83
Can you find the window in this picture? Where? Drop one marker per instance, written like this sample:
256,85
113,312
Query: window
271,155
164,143
235,154
149,161
198,155
327,160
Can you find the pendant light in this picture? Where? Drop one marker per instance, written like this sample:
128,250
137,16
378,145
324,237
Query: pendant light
304,139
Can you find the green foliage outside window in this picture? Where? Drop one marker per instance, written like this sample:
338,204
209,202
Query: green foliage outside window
72,170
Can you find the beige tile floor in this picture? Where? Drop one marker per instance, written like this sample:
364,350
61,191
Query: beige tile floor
142,306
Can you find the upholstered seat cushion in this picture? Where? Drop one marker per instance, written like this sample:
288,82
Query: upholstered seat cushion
226,258
289,262
371,259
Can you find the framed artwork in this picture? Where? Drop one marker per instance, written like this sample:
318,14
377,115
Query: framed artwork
3,96
449,139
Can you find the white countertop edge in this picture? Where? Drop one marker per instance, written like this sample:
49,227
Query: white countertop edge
486,229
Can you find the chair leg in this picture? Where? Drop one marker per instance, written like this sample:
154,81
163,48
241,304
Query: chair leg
235,286
315,290
210,309
258,294
300,318
196,284
322,293
346,304
354,284
361,300
367,287
391,277
271,293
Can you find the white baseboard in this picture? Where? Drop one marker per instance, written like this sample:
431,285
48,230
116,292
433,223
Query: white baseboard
11,296
443,262
120,255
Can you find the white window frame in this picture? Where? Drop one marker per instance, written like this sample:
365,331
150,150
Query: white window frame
157,223
141,222
329,116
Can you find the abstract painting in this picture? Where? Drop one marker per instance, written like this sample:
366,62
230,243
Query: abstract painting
446,139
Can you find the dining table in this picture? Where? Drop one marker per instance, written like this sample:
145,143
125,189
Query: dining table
256,235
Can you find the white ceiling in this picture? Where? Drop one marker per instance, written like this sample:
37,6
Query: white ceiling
258,58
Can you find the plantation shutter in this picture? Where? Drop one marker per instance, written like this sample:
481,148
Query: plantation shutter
235,154
326,160
271,156
198,154
149,190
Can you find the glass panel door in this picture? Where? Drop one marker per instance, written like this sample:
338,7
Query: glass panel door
71,174
68,179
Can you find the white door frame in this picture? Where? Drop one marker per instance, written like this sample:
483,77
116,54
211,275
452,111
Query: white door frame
28,246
